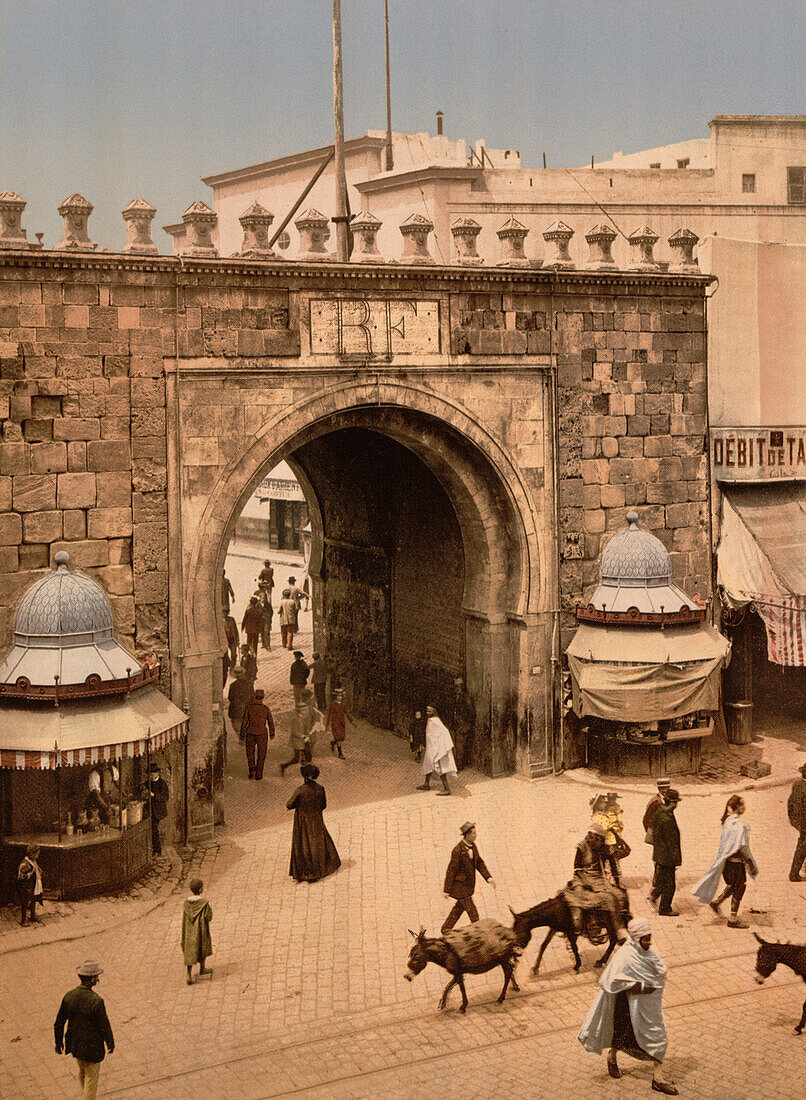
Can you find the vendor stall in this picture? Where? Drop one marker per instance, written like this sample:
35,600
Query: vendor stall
80,721
645,666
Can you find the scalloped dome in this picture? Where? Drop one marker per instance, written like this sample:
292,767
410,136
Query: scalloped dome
635,556
64,603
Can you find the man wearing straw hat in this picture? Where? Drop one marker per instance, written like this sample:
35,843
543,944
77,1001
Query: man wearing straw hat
88,1028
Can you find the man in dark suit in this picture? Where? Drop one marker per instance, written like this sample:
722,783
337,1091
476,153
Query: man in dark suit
666,854
460,878
88,1028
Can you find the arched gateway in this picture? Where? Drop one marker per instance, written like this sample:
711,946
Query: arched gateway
467,439
436,575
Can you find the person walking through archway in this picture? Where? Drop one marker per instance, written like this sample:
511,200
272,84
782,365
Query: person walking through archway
306,724
438,755
313,853
252,624
733,860
337,717
288,619
257,729
298,675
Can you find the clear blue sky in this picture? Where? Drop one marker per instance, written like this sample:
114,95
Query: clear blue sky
120,100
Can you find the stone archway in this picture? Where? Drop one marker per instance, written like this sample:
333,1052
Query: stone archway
502,593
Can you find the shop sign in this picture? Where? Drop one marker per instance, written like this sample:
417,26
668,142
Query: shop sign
758,454
276,488
374,327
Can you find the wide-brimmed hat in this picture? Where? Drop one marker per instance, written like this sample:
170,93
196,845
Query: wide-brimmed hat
89,969
468,825
298,653
672,795
153,766
259,693
664,783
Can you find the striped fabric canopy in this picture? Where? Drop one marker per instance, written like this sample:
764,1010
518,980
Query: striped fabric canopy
69,736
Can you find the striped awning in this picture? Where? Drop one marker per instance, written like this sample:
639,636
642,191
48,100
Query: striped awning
72,736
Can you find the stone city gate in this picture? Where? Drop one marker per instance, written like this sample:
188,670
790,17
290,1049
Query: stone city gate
466,439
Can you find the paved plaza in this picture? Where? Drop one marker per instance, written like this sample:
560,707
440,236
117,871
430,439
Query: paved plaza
308,996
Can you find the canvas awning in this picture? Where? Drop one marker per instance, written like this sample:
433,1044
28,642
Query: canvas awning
762,560
632,674
146,720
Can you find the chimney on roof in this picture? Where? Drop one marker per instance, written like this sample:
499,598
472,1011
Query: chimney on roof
439,122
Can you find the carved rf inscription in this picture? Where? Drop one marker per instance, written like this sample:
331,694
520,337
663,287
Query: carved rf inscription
374,327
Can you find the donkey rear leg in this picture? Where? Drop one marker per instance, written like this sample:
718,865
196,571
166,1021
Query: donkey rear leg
799,1028
544,945
507,967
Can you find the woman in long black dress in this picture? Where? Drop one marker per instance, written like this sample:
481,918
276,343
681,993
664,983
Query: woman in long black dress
313,853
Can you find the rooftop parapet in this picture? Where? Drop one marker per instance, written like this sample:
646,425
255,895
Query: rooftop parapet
512,236
642,242
313,236
75,211
365,228
12,235
600,248
558,238
682,243
138,216
465,233
255,222
199,221
415,230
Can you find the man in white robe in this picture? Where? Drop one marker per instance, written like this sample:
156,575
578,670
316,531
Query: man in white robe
438,755
627,1011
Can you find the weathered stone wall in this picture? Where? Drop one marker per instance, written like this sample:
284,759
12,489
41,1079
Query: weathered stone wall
631,384
144,398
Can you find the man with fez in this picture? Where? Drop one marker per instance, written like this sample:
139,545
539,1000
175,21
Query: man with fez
88,1028
460,878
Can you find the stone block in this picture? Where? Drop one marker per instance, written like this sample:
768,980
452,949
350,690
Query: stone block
148,507
613,496
48,458
591,496
595,520
638,425
19,407
151,587
37,431
84,554
153,447
5,494
123,614
687,538
597,471
150,546
149,477
117,580
115,490
15,458
34,492
106,523
77,490
9,559
74,427
10,529
34,556
657,446
76,457
115,428
147,392
128,317
75,523
105,455
42,526
120,551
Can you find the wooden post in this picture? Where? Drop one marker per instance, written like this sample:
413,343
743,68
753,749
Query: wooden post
58,791
148,788
120,791
340,219
389,157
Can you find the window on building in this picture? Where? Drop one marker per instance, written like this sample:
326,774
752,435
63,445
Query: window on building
796,185
748,183
684,163
655,165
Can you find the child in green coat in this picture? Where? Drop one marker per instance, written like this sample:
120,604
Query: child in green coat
196,943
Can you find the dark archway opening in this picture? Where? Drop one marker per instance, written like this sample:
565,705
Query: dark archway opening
389,586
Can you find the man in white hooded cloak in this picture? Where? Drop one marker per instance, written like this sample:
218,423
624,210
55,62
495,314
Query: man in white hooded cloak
438,755
627,1011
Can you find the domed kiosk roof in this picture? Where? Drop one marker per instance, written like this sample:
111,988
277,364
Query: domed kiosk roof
62,605
63,638
635,557
636,583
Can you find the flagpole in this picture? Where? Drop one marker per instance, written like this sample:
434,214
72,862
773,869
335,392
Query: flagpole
340,219
389,157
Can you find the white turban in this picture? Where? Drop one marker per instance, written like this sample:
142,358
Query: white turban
639,927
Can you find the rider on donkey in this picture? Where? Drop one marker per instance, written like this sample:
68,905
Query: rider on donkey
589,888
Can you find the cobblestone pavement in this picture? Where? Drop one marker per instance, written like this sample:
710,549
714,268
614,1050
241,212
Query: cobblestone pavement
308,995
